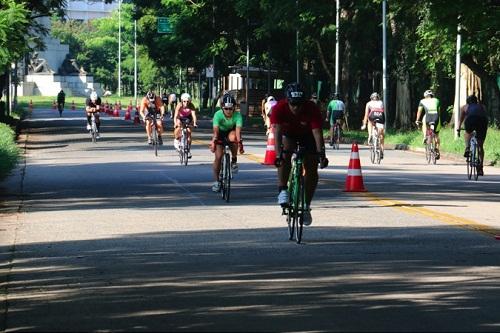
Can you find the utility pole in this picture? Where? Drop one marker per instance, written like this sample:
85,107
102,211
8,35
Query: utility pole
457,83
119,48
297,43
135,61
337,47
384,60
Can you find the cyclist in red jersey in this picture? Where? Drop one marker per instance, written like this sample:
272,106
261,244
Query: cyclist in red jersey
296,120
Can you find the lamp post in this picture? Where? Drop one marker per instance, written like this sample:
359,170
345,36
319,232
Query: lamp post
337,47
297,44
384,60
135,61
13,66
119,48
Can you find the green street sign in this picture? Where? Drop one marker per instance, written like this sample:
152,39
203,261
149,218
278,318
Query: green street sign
164,25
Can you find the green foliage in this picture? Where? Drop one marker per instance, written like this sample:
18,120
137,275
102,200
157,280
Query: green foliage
13,27
9,152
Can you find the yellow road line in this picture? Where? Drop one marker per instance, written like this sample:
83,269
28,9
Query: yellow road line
409,208
443,217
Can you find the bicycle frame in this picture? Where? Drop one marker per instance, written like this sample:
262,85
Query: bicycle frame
296,205
184,146
93,128
225,174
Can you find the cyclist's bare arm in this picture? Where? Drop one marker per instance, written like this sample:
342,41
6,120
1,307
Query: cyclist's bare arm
195,120
318,138
278,139
419,113
141,111
176,113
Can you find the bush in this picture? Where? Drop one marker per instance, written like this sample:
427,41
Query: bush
9,152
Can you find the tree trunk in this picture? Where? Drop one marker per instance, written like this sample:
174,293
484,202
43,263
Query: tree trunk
490,89
403,117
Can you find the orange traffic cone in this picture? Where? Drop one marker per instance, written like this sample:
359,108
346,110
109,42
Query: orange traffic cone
73,105
127,114
270,152
54,105
354,180
136,117
116,112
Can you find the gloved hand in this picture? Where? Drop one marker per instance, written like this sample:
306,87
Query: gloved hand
240,147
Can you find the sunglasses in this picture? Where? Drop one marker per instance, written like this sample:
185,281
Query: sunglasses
296,103
227,109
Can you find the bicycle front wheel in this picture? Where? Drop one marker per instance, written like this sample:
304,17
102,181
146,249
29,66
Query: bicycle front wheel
290,218
227,177
300,209
185,148
154,135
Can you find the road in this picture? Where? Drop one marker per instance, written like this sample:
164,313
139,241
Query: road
108,237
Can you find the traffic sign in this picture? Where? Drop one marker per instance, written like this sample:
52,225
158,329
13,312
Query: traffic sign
209,71
164,25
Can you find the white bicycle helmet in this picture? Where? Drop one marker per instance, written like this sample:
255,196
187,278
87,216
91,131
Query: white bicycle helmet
93,96
185,97
428,93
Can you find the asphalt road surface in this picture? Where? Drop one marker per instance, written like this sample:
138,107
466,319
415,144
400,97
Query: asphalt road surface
108,237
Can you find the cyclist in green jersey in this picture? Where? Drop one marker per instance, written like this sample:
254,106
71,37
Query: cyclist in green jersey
430,105
335,111
227,124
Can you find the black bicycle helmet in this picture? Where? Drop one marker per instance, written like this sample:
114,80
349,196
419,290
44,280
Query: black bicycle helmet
294,94
227,101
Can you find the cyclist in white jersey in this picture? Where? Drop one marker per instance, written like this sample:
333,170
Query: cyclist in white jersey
430,105
374,112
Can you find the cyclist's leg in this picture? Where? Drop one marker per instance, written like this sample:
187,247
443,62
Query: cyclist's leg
424,127
310,176
289,144
217,162
148,127
231,136
97,121
177,129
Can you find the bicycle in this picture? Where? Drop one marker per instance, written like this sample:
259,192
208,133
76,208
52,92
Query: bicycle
225,174
93,128
295,208
337,135
430,144
153,116
184,147
473,160
375,144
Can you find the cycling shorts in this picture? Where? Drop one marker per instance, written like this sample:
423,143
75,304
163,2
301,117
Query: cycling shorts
433,118
223,135
336,114
377,117
306,141
477,123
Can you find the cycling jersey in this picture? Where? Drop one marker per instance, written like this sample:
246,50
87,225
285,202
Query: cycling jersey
297,125
376,112
335,105
186,112
146,105
475,109
227,124
89,103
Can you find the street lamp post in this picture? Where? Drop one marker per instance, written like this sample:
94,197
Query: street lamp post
337,47
119,48
384,60
135,61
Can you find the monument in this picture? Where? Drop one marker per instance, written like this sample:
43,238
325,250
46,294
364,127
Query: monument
53,69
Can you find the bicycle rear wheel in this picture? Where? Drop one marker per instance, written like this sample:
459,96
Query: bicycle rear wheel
475,160
336,138
469,166
290,220
372,150
433,152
